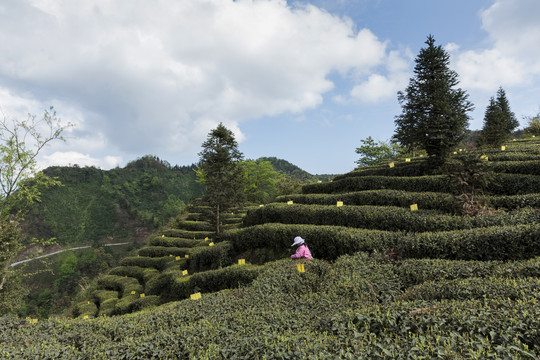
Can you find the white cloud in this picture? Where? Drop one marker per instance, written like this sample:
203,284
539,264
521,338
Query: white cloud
156,76
379,87
70,158
512,59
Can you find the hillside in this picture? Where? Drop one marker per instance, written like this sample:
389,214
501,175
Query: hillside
388,281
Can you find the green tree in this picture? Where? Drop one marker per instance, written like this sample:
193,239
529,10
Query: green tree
20,185
499,121
260,180
434,112
220,170
376,152
533,127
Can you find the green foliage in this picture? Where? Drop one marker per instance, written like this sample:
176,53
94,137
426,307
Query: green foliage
260,181
434,113
499,121
533,126
383,218
375,153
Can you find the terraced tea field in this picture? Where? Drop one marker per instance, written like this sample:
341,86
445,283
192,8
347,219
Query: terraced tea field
388,281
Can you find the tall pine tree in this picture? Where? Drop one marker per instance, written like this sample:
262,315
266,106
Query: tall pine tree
499,121
434,112
220,170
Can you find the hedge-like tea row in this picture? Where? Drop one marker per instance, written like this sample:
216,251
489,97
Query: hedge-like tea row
503,184
514,201
186,234
133,303
531,167
475,288
330,242
159,263
438,183
161,251
195,225
140,273
210,257
383,217
230,277
100,296
123,285
85,308
174,242
417,271
425,200
107,308
401,168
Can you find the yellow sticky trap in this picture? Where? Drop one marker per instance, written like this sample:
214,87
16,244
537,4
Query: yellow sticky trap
407,159
85,317
391,164
211,244
241,261
421,155
484,157
414,207
513,139
133,292
186,256
503,148
162,235
455,152
533,136
300,268
290,202
195,296
319,181
178,258
261,205
184,273
170,255
88,302
339,203
34,321
141,295
206,238
460,150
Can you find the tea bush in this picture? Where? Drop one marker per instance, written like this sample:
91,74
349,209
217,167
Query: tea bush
161,251
383,218
173,242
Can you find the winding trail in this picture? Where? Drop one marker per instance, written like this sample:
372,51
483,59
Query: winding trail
60,251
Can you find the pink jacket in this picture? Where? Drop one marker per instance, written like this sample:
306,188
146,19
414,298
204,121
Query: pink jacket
302,253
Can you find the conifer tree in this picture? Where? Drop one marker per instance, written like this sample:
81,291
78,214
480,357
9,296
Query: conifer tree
434,112
220,170
499,121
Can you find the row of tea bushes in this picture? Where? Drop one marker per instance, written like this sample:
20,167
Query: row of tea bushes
417,271
425,200
475,288
504,184
330,242
442,202
387,218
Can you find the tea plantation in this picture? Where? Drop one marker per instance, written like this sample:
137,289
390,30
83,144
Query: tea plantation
387,282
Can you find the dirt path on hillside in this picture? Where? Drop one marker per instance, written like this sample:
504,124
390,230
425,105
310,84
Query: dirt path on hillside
62,250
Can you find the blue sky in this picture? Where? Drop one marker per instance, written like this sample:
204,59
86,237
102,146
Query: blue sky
304,81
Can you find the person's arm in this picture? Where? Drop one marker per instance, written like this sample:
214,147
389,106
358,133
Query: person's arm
299,253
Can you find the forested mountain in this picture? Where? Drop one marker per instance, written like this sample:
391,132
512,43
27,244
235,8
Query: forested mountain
94,206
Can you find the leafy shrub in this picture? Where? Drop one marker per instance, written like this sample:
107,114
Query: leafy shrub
123,285
195,225
362,278
425,200
139,273
159,263
161,251
383,218
475,288
173,242
210,257
186,234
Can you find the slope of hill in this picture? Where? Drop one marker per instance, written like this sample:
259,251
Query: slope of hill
95,206
388,281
